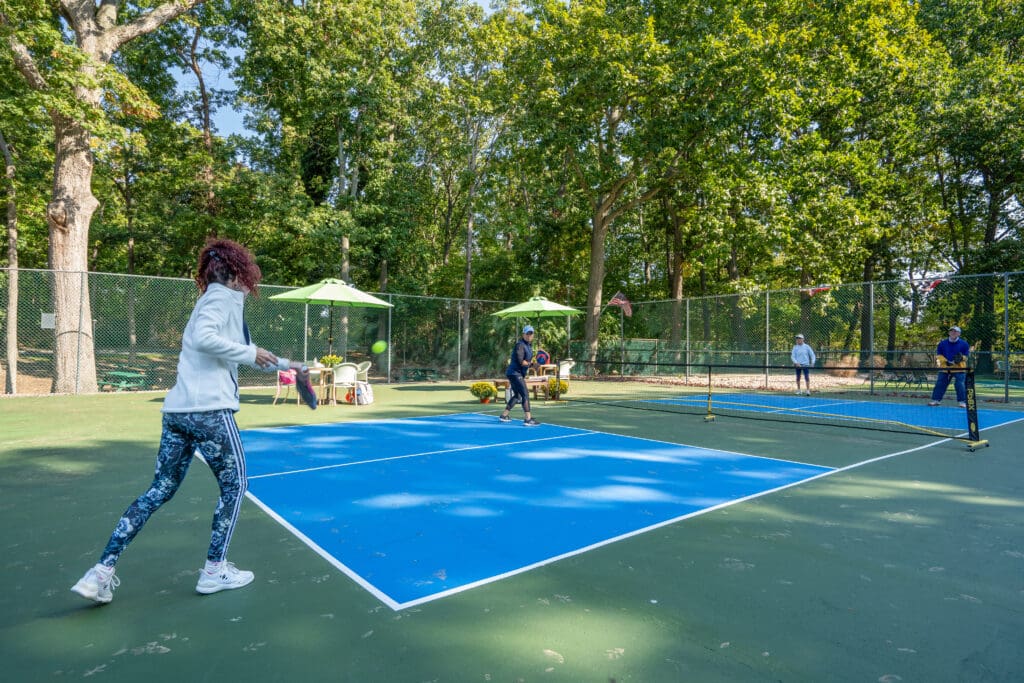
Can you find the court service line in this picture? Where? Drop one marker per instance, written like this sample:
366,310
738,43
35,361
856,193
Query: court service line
417,455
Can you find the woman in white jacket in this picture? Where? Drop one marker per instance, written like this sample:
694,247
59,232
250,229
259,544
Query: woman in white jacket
803,360
198,413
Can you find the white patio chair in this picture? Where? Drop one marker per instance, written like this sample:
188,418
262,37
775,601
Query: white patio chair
363,371
344,379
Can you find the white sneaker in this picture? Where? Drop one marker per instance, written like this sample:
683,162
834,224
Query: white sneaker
226,578
933,403
962,404
807,393
94,587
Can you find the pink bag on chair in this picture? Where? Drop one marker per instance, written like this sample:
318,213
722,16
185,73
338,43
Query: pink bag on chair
285,379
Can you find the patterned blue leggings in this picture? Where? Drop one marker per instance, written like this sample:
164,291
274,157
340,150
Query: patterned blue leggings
215,434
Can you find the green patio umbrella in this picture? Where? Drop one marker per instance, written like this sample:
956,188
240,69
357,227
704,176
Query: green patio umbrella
537,307
332,293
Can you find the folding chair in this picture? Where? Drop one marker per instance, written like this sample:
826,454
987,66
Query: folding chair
285,379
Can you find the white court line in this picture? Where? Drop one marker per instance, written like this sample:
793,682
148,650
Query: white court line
637,532
396,606
358,421
417,455
331,559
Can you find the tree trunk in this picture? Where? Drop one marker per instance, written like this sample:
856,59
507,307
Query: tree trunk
467,285
866,311
192,58
11,381
676,260
68,215
599,231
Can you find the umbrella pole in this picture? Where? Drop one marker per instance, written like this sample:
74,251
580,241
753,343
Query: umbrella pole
330,330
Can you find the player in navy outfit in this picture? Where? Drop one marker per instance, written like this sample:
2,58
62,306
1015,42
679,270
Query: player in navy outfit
519,363
951,353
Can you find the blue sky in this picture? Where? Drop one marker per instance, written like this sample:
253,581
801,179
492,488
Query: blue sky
227,120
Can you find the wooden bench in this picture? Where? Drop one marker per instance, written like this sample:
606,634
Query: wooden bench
538,384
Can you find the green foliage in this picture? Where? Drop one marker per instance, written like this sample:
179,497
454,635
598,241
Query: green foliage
722,147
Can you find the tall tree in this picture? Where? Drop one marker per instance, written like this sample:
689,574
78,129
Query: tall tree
78,78
978,148
459,121
11,223
596,83
329,84
25,143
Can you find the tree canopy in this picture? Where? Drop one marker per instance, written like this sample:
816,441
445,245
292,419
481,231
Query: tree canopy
666,149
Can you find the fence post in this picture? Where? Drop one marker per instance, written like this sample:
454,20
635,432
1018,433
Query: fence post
687,337
1006,337
767,334
81,331
390,308
871,325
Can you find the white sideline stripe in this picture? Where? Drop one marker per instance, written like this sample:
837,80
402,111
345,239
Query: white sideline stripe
416,455
396,606
331,559
637,532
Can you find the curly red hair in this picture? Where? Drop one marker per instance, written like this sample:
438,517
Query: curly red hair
222,260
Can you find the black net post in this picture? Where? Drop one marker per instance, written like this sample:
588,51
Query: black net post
974,439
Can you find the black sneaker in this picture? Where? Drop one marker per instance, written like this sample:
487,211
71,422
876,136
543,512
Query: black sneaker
504,418
531,422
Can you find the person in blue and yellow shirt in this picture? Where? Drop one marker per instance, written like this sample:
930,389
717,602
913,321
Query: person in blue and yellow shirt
951,355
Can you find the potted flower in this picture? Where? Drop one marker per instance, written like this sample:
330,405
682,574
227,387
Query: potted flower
557,387
330,360
485,391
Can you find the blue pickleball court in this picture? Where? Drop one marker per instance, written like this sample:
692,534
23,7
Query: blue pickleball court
416,509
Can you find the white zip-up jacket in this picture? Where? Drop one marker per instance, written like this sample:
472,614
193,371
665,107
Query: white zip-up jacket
212,347
803,355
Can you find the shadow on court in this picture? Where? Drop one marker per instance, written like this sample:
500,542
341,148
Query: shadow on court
905,568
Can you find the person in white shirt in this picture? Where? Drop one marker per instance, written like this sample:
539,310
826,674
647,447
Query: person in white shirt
803,360
198,414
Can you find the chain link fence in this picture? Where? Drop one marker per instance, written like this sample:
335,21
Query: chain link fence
863,326
137,323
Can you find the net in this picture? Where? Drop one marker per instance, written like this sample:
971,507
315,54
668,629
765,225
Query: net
886,400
